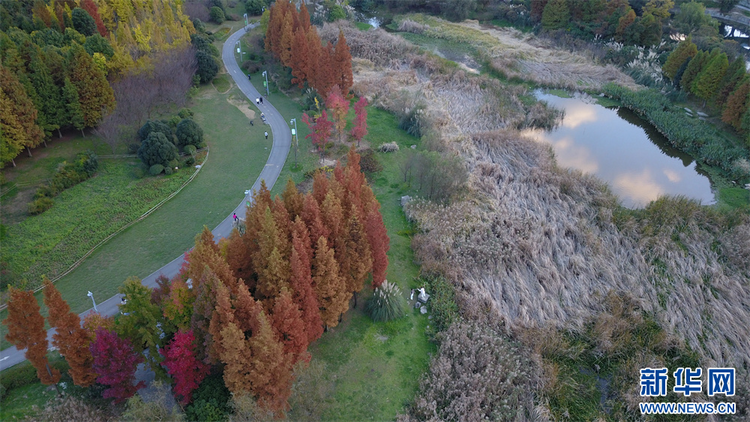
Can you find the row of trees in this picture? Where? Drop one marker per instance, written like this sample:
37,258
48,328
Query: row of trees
321,128
295,43
47,89
248,306
710,77
609,19
58,56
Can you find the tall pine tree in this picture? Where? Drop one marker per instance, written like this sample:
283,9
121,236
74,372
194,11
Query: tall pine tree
709,79
18,128
94,93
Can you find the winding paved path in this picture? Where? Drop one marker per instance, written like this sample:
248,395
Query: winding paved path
282,140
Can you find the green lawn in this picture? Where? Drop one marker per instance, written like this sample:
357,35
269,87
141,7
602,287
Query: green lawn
222,83
376,367
238,153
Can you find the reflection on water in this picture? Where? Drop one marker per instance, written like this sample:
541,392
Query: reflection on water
624,151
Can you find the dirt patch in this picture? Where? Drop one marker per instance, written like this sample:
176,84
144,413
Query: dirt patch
243,106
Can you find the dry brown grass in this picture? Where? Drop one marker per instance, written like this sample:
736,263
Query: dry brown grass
542,247
540,244
523,56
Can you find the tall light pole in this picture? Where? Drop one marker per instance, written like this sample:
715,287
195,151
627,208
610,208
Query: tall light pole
91,295
245,16
295,140
265,74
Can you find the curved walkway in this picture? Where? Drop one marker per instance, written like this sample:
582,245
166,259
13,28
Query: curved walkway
282,141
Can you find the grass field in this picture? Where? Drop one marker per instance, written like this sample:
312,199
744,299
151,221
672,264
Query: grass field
222,83
376,367
238,152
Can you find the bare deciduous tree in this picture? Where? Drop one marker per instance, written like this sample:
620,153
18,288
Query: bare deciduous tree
140,95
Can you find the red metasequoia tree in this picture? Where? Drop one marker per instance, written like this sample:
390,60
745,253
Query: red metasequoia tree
320,130
379,245
115,362
301,281
339,107
342,64
26,331
70,338
360,120
183,366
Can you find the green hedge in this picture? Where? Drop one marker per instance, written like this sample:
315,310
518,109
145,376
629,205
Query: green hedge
67,176
704,143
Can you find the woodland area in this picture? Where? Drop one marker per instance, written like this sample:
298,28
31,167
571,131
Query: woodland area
66,64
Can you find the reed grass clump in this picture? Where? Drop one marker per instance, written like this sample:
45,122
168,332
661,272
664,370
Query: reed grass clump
386,303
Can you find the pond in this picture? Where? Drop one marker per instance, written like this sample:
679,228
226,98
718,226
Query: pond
623,150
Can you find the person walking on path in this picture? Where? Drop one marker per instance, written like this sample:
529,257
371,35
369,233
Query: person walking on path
266,135
234,215
261,100
257,101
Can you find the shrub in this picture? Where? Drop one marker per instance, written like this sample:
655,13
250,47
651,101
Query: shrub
210,400
388,147
174,163
40,205
254,7
155,126
207,66
190,149
442,303
217,15
158,408
174,121
335,13
185,113
156,149
189,133
369,162
251,66
87,162
156,169
168,170
190,161
386,303
69,408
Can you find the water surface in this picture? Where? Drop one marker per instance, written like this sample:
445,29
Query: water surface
623,150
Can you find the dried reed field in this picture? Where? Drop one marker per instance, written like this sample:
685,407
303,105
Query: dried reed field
542,248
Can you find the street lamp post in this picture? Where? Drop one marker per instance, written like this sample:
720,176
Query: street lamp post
265,74
91,295
245,16
295,140
239,47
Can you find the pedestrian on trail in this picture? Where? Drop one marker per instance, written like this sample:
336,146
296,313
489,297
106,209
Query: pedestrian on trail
266,135
261,100
234,215
257,101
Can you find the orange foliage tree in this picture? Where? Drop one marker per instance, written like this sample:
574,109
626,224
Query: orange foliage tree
70,338
26,331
